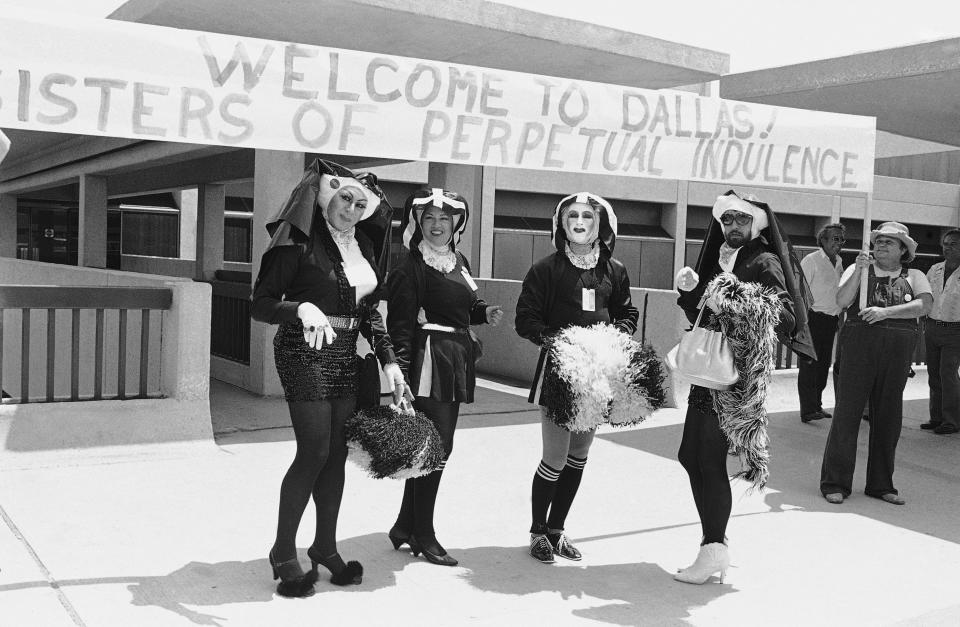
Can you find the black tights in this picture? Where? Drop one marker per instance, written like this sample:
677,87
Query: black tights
318,470
703,454
420,494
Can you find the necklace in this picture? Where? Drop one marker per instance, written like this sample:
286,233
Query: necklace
343,239
585,261
442,261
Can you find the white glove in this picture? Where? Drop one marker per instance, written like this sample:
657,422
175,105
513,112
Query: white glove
687,279
494,315
316,327
398,385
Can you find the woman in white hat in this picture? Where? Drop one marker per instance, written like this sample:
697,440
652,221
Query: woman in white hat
320,280
876,347
432,303
580,284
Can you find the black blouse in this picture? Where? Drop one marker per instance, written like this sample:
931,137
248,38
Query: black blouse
290,275
756,264
552,292
446,299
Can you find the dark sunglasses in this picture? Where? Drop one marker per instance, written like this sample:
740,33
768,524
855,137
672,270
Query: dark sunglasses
742,219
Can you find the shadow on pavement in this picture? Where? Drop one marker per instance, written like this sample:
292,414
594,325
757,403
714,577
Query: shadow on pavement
927,473
636,592
205,584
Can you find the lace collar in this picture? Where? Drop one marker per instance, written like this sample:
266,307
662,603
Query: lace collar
587,261
343,239
442,261
728,257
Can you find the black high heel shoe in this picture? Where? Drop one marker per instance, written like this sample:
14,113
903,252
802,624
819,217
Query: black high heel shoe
431,550
399,537
294,583
349,574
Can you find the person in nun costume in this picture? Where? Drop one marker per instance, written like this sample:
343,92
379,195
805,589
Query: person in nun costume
320,280
745,275
580,284
432,303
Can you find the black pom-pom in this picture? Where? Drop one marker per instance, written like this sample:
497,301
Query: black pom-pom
388,443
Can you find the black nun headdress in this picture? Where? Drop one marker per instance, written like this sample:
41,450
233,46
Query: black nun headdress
421,200
309,201
767,228
607,231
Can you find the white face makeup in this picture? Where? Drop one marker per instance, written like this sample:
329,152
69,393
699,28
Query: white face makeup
346,208
437,227
580,223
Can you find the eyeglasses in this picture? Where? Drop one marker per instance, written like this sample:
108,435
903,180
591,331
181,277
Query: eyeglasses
742,219
886,241
836,238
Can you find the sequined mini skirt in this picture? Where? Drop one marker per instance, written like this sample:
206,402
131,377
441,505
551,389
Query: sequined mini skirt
308,374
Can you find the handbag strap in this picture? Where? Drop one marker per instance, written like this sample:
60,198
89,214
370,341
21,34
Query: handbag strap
700,306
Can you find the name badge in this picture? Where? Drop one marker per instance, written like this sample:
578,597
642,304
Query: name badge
468,279
589,299
360,274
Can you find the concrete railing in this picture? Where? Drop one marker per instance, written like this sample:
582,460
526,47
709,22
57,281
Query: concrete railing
182,365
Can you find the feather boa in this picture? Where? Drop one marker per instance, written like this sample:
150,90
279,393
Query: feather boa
388,443
604,376
747,314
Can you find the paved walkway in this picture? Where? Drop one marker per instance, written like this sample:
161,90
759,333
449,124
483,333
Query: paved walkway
178,534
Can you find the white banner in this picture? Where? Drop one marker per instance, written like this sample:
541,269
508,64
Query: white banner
105,77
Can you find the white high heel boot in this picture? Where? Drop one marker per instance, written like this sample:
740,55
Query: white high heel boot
726,541
712,558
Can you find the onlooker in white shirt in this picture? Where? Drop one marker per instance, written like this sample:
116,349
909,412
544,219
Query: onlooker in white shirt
942,337
822,269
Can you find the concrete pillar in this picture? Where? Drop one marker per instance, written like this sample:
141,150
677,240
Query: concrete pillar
275,175
484,217
188,201
209,245
92,244
466,180
8,225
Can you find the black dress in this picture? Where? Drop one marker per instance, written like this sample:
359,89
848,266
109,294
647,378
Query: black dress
438,363
551,299
312,272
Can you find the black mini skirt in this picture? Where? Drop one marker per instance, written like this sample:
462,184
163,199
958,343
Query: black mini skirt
308,374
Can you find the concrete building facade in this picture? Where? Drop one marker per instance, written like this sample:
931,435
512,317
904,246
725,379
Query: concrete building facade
198,211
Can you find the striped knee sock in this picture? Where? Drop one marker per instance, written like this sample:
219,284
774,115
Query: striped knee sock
544,486
567,485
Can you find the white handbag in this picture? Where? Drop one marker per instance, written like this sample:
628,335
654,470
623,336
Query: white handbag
704,357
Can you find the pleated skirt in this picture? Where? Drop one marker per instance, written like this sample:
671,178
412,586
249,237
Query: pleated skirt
443,367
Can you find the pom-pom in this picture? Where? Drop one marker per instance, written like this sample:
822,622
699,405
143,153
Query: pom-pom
643,387
388,443
603,375
747,314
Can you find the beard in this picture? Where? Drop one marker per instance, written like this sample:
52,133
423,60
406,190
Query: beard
736,239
